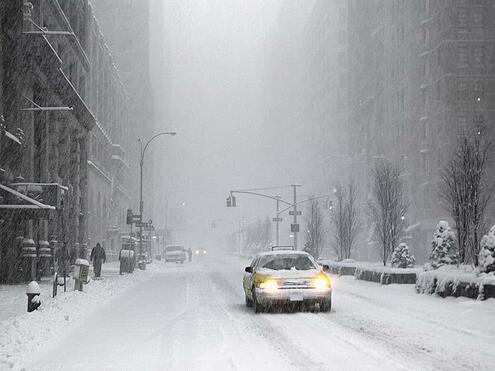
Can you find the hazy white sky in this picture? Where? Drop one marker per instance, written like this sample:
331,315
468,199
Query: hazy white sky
220,57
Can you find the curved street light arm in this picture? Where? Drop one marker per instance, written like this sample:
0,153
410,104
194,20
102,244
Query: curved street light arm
143,150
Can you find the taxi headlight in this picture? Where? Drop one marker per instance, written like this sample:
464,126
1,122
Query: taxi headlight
321,283
269,285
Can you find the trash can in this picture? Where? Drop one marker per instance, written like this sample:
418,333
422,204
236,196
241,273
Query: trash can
126,261
33,294
142,261
81,270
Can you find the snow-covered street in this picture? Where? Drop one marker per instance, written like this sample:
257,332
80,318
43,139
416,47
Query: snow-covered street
193,317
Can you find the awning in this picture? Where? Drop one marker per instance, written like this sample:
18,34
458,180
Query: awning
24,205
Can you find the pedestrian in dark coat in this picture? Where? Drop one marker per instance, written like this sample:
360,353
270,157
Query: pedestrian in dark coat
98,257
189,253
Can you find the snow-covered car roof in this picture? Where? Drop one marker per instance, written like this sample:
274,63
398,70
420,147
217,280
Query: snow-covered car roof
283,252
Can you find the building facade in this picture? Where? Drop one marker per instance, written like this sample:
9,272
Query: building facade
420,72
65,125
126,30
325,106
108,167
45,69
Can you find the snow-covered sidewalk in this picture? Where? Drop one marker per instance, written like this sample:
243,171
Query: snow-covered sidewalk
23,333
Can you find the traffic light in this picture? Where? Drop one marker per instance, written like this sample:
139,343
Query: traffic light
229,202
129,217
233,201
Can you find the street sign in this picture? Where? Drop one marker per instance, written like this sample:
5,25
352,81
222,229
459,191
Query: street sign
146,226
298,212
294,228
277,219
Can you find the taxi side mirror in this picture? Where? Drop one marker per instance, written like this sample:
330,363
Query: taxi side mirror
248,269
326,268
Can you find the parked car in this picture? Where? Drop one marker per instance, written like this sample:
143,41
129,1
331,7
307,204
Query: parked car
174,253
284,277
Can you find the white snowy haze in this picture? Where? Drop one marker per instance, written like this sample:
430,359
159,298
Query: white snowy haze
222,72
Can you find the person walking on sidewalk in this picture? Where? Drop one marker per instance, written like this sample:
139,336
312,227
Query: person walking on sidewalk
98,257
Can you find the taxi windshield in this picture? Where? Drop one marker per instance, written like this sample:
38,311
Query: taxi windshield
286,262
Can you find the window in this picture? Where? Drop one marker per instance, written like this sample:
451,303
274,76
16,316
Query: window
462,91
426,130
342,15
478,90
73,73
462,19
424,163
462,56
478,19
461,124
478,57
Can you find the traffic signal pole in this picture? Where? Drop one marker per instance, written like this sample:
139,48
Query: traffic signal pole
295,228
277,223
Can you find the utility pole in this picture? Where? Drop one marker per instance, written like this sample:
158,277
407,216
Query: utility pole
295,226
141,164
278,222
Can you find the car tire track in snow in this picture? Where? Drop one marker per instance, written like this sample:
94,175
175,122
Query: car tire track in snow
303,334
193,317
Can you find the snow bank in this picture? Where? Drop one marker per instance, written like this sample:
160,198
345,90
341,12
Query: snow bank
374,272
23,335
370,266
487,252
450,280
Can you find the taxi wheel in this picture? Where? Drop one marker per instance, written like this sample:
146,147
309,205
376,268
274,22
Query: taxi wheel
249,302
326,305
258,308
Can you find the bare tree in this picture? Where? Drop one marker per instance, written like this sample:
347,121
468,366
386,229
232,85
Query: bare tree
387,207
353,218
345,219
314,230
465,190
339,222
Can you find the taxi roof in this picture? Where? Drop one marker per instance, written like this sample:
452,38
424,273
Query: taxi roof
283,252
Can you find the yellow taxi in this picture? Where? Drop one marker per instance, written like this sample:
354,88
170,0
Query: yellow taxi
281,277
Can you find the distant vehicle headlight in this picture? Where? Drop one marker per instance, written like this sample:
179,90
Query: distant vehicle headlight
204,252
269,285
197,252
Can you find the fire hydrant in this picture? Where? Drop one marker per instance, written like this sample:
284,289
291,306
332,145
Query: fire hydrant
81,271
33,293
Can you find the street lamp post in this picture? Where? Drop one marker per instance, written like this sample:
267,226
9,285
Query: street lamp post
141,163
